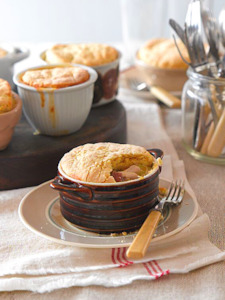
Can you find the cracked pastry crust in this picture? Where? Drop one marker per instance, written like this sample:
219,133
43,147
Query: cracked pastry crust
96,162
92,54
162,53
3,52
7,101
59,77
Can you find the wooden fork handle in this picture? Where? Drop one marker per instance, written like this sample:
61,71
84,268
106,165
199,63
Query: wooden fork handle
144,236
165,97
217,141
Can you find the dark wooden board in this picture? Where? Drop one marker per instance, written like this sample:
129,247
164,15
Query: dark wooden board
32,159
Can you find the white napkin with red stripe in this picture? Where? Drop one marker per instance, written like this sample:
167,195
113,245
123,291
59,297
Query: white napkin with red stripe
30,262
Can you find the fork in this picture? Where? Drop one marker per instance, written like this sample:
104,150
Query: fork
160,93
144,236
194,40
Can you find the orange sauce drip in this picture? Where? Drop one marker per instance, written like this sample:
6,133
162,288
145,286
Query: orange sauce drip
51,108
42,96
51,104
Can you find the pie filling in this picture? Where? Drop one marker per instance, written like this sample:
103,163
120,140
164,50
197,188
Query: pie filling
131,173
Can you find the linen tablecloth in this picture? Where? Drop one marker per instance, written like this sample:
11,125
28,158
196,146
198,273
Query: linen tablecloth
144,113
207,182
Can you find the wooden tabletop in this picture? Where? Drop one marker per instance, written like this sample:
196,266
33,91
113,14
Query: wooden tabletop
39,154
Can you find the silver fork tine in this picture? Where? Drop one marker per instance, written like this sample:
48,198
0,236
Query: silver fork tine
175,192
172,195
178,192
181,195
170,190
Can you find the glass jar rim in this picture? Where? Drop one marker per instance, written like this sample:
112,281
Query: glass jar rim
198,76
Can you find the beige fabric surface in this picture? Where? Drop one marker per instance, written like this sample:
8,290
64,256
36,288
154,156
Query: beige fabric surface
207,182
29,262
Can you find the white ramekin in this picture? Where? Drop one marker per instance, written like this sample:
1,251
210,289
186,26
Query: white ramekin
57,112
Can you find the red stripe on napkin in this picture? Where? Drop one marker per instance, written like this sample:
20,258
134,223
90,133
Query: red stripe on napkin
122,264
160,269
155,272
124,257
113,256
118,257
148,270
154,269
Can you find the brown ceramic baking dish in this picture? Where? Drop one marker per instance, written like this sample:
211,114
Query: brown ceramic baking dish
108,208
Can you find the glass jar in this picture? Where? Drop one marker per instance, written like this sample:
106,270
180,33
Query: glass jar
203,117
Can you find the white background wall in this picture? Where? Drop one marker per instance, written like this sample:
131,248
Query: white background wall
60,20
82,20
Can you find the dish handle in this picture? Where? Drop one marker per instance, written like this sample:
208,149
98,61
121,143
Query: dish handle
60,185
157,153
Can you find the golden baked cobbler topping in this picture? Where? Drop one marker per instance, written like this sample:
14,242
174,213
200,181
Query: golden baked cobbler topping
107,162
162,53
3,52
7,101
92,54
58,77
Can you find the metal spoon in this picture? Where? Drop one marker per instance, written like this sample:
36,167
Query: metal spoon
193,36
212,35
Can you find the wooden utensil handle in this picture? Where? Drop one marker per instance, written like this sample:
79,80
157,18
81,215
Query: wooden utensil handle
144,236
207,139
217,142
165,97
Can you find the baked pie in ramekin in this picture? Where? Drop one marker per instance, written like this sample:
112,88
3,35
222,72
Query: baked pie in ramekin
10,113
161,65
103,58
108,187
56,99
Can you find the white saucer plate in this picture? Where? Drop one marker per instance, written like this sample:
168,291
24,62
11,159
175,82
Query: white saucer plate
40,212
